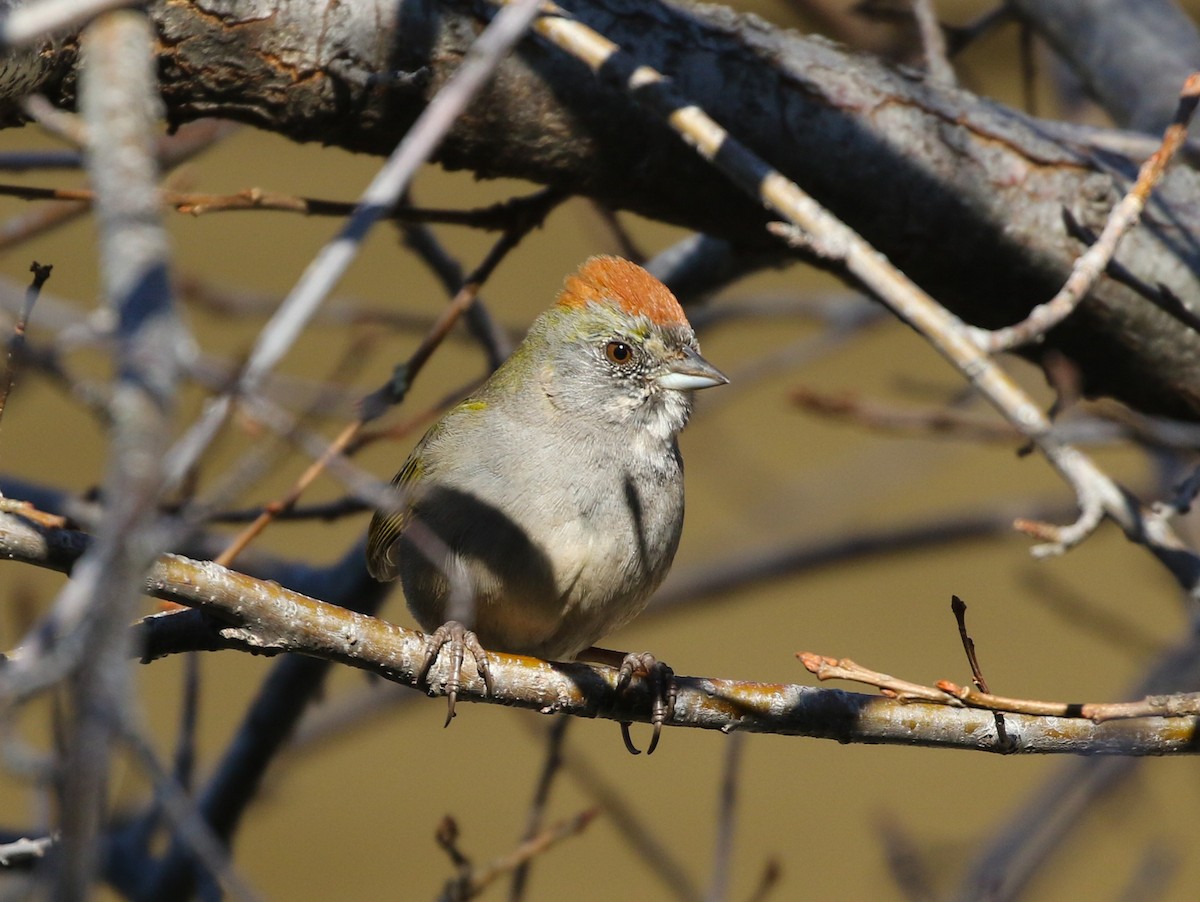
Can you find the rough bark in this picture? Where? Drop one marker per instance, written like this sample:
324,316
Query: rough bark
972,199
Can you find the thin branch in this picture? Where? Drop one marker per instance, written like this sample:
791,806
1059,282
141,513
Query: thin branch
1177,704
64,125
824,668
909,872
282,505
184,817
26,24
492,218
327,511
464,300
1091,264
639,838
481,326
25,160
726,820
933,41
24,852
922,421
172,150
1099,423
959,608
472,881
541,798
772,871
16,344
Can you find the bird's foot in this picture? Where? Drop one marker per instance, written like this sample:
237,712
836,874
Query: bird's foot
460,640
663,690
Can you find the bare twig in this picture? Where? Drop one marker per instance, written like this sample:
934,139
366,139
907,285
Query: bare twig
908,870
62,124
718,889
494,217
1098,423
466,296
281,505
472,881
28,23
927,420
191,139
1180,704
937,65
36,221
827,668
1090,265
772,871
25,160
321,510
16,344
541,797
959,608
482,327
24,852
184,817
635,832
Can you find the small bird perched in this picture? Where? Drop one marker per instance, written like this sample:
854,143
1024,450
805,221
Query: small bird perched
553,496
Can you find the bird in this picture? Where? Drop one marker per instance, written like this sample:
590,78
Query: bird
540,513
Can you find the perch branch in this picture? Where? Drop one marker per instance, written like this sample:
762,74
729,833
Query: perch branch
263,617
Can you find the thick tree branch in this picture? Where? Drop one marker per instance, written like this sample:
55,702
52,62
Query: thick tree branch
910,166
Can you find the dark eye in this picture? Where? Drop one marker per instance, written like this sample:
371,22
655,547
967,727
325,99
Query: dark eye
618,352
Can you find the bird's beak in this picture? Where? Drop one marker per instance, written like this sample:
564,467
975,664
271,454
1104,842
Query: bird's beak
691,372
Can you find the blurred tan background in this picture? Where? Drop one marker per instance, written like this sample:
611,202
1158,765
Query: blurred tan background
353,816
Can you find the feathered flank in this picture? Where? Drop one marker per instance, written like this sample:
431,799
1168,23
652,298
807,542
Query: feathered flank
612,280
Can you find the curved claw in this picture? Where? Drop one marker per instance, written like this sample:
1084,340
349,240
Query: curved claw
630,747
662,687
460,639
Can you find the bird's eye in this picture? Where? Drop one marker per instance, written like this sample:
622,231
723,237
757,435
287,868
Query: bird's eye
618,352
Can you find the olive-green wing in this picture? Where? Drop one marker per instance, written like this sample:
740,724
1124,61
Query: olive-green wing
386,527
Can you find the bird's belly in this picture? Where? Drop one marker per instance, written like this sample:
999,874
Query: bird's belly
551,587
